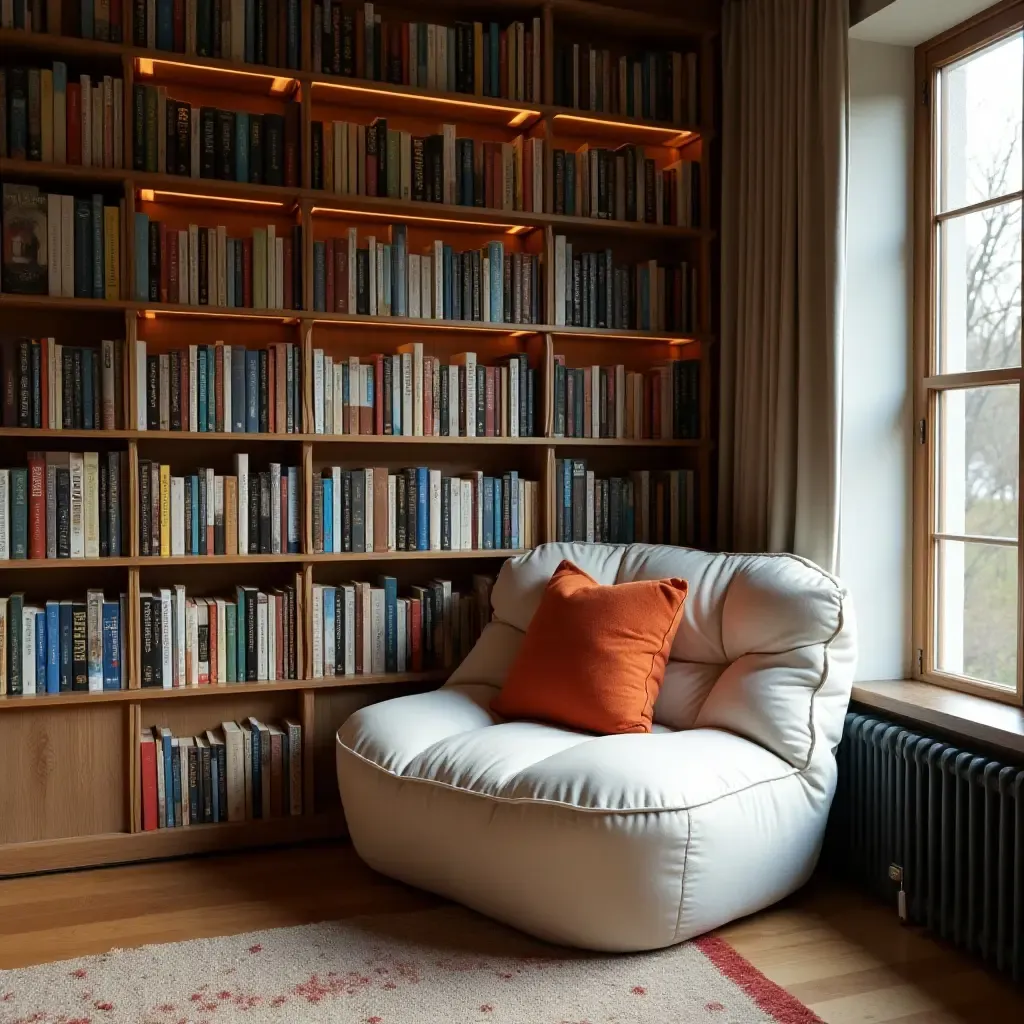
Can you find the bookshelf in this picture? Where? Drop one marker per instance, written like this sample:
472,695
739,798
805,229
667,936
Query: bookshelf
69,772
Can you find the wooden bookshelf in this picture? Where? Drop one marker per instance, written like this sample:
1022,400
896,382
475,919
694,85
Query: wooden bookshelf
69,784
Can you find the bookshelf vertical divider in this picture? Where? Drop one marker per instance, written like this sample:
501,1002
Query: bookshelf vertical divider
104,824
133,719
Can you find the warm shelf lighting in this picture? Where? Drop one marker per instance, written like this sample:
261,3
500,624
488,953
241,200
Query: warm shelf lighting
148,195
676,137
147,67
612,333
241,314
429,325
519,114
402,217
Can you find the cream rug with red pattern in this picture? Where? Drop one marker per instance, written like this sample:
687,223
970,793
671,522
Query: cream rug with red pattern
442,966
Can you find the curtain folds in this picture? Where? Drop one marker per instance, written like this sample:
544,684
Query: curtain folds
785,128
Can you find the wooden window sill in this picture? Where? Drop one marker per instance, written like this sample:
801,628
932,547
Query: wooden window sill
969,718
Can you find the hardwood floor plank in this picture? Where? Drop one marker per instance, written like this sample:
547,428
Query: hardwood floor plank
842,955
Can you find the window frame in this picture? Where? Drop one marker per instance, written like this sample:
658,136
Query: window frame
975,34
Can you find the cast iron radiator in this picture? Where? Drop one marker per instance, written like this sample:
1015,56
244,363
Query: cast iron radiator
936,830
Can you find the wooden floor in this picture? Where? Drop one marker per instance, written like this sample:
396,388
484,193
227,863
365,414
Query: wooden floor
845,957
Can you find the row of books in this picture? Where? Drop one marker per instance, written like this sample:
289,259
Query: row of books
240,771
472,57
644,507
203,266
208,513
592,290
212,641
175,137
362,629
385,279
267,32
625,184
63,646
29,15
611,401
221,388
60,245
374,160
422,509
410,394
62,387
655,85
65,505
45,117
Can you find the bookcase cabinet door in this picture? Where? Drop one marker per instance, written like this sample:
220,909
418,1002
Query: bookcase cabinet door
64,772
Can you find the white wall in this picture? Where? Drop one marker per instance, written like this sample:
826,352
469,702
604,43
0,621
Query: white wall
875,514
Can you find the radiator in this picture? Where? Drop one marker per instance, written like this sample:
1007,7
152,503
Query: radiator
936,830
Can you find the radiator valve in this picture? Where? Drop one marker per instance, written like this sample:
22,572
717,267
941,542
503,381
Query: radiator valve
896,874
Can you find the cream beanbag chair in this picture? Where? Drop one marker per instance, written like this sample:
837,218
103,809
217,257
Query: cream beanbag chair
621,842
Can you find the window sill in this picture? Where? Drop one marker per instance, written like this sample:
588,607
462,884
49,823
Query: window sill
965,716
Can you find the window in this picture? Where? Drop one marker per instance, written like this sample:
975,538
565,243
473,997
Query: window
970,159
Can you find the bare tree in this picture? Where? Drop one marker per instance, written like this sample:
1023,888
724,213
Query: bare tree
993,325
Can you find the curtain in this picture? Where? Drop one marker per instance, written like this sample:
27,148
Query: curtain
785,126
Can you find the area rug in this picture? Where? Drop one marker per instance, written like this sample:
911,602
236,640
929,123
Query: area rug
439,966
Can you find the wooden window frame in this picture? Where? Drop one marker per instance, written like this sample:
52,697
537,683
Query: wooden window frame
996,22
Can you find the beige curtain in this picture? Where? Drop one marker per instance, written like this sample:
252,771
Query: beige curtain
785,122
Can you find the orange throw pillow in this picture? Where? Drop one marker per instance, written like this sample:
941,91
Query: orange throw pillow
594,657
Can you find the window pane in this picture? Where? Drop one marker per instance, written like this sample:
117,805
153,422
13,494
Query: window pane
979,286
978,468
980,153
976,611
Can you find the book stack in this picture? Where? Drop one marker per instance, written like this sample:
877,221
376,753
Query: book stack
45,117
422,509
65,387
221,388
240,771
268,32
63,646
611,401
206,513
644,507
654,85
625,184
199,641
60,245
65,505
175,137
202,266
591,290
29,15
361,629
373,160
477,58
410,394
383,278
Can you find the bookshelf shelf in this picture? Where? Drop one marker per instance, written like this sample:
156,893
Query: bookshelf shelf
59,854
413,556
241,690
86,808
57,564
385,440
36,169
